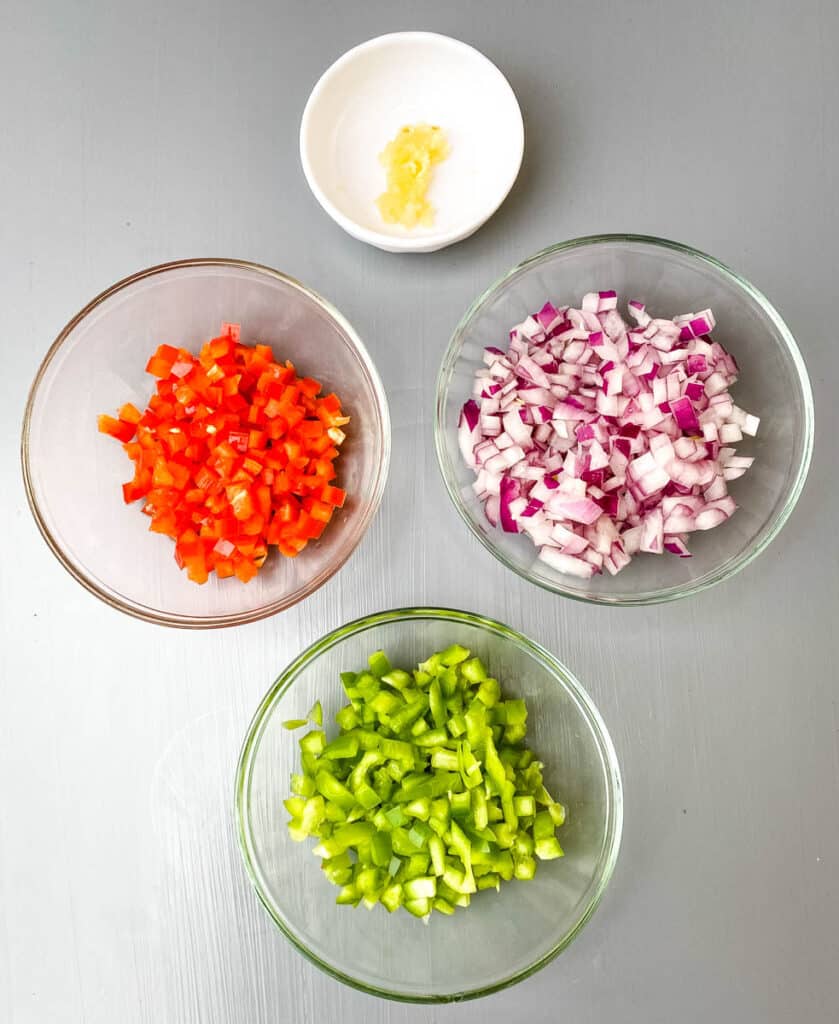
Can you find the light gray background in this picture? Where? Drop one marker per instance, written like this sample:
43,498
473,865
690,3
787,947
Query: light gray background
136,133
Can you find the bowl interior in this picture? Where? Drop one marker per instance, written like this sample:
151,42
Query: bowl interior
501,937
670,279
363,100
74,473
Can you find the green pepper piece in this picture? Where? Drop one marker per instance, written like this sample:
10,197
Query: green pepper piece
480,813
401,843
369,759
419,908
461,845
456,725
420,808
316,713
453,655
543,826
408,714
524,868
489,881
445,782
353,835
557,813
368,880
341,747
303,785
436,705
424,887
379,664
504,835
524,806
431,738
397,750
516,712
502,862
335,813
523,845
437,852
391,898
396,816
294,805
515,733
419,834
349,896
494,767
367,739
294,723
443,906
381,849
508,806
549,849
454,706
417,865
449,682
476,724
313,814
432,666
296,831
397,679
469,766
473,670
313,742
366,796
334,791
494,812
460,804
347,718
383,784
347,679
526,758
478,844
489,692
447,760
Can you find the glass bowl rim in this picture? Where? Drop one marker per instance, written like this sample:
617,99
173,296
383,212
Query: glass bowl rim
722,572
559,672
124,604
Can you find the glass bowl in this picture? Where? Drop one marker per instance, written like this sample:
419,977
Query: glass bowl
670,278
502,937
73,474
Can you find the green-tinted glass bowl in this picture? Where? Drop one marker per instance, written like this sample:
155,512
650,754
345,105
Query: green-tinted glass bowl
670,278
502,937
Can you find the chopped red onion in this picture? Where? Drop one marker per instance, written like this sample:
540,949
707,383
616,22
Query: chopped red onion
599,440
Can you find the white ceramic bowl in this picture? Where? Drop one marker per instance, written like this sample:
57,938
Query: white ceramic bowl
367,95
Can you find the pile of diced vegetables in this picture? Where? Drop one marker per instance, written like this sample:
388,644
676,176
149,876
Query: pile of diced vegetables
599,437
428,793
234,453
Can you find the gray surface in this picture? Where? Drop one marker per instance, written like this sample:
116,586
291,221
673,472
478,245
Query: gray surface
134,134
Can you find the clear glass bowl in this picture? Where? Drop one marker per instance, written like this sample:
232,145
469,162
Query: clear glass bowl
73,473
670,278
502,937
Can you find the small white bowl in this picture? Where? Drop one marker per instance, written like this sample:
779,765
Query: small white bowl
366,96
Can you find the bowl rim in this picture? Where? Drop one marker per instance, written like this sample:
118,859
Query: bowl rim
562,675
727,569
154,615
382,240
